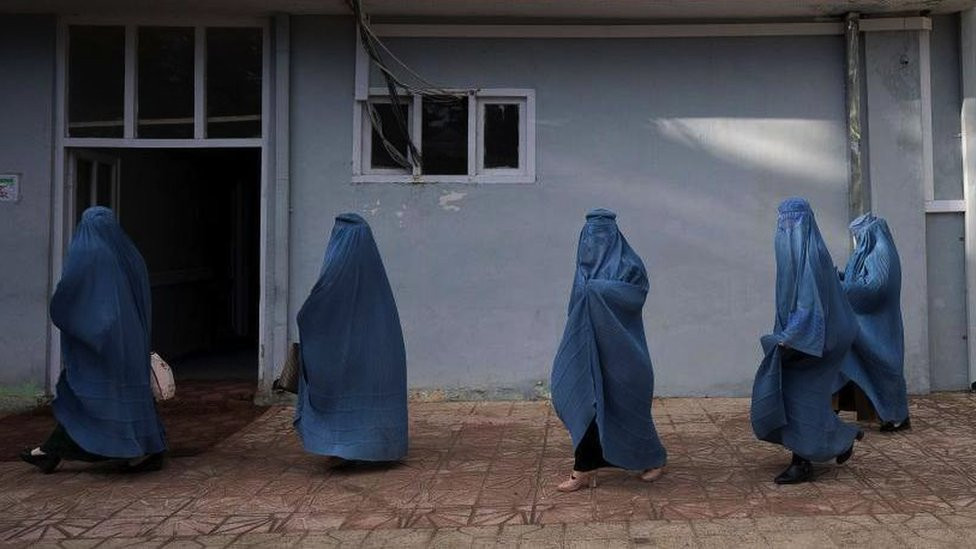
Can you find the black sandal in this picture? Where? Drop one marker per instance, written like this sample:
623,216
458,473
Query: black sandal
842,458
799,471
152,462
892,427
47,463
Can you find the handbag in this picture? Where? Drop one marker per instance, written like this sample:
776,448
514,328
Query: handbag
163,384
288,380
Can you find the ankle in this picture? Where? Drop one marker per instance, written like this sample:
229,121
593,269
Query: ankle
798,460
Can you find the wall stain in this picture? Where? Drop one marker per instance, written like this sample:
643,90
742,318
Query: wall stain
446,201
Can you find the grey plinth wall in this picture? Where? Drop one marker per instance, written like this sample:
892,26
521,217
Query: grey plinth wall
27,46
898,171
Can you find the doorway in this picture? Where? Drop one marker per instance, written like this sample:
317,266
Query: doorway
194,214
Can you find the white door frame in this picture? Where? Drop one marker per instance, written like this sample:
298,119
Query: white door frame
272,314
96,158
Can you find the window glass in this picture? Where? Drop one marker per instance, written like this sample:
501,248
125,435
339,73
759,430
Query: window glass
103,189
96,81
234,69
445,136
165,85
501,137
380,158
83,182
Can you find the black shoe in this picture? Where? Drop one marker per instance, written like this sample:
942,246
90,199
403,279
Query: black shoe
152,462
800,470
842,458
47,463
891,426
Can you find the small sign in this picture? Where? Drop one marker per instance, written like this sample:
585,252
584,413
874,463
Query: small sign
9,187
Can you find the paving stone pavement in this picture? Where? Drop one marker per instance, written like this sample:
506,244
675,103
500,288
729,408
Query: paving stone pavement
484,475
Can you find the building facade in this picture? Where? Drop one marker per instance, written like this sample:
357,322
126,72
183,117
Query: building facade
230,135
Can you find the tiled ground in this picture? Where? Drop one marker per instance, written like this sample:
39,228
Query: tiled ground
227,406
483,474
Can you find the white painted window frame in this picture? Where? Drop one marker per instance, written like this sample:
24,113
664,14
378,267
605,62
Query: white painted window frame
366,137
275,177
130,120
526,161
525,174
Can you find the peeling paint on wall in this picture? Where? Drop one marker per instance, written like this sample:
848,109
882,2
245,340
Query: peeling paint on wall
448,198
372,209
400,215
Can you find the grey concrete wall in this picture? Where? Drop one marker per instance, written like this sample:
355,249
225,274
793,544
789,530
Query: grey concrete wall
692,141
27,46
947,303
944,231
946,106
892,70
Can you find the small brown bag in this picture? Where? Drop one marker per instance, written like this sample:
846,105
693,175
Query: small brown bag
161,378
288,380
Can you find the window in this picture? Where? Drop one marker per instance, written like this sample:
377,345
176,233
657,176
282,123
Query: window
233,82
165,82
378,156
484,137
444,136
96,78
500,135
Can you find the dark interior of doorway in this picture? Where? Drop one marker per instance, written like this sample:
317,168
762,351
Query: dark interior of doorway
194,215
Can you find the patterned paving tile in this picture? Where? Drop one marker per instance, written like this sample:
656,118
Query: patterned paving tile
484,474
130,527
252,523
188,524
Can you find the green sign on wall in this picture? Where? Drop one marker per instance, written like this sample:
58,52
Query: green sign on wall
9,187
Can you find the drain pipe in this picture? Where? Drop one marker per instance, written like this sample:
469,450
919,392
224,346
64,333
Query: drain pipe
968,58
858,193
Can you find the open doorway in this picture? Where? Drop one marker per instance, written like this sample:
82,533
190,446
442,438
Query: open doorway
194,215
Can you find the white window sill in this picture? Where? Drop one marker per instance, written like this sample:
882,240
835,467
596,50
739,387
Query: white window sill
482,179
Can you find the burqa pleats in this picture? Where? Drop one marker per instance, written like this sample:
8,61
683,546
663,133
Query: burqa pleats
813,330
352,394
872,283
102,307
602,371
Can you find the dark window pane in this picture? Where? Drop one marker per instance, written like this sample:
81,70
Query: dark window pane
165,82
501,136
96,81
445,136
83,187
103,191
234,82
380,157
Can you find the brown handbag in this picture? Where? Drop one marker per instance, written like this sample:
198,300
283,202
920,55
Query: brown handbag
288,380
161,380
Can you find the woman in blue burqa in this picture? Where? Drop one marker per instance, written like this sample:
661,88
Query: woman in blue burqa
814,328
104,405
352,391
602,381
872,282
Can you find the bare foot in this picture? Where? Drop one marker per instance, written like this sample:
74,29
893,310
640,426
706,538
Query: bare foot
578,480
650,475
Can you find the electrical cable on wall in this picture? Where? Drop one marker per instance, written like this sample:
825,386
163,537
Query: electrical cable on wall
377,51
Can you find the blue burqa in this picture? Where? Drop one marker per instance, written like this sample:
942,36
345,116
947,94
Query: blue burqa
814,328
102,307
602,369
872,282
352,394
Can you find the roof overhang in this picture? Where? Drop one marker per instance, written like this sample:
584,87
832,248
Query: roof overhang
553,10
